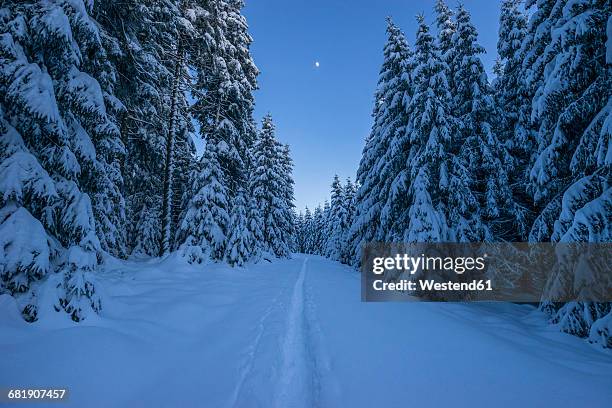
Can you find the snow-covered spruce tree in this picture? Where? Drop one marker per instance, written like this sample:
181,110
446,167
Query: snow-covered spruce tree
338,217
298,244
391,166
240,238
435,174
287,197
60,153
446,27
319,225
269,191
572,173
102,179
537,52
226,78
348,201
176,99
335,227
254,215
480,151
512,30
513,105
326,228
308,233
142,79
567,106
532,59
390,99
204,225
152,76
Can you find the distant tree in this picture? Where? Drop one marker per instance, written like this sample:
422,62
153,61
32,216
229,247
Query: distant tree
337,217
271,182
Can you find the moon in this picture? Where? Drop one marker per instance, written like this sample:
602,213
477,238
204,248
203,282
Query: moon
317,64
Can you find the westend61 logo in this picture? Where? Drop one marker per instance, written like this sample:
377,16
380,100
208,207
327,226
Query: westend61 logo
514,272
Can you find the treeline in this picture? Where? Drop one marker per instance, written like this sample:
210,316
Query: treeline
527,156
98,105
325,231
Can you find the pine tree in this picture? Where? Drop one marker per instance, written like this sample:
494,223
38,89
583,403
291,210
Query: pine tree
437,174
446,30
254,215
348,201
379,161
168,186
308,232
240,239
533,59
512,95
300,233
494,213
144,53
512,27
318,227
59,119
287,194
270,184
205,224
226,78
392,164
571,176
335,228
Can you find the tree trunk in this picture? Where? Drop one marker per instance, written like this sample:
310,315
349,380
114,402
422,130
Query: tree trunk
167,204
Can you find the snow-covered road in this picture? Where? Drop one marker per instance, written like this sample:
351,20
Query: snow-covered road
294,334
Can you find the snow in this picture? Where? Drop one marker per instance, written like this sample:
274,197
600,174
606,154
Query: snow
22,171
609,41
293,333
24,247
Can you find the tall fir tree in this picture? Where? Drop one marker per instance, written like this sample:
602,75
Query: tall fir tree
446,30
390,99
513,100
571,175
308,231
226,79
436,173
60,156
348,200
239,244
205,223
337,217
483,155
152,80
270,183
287,194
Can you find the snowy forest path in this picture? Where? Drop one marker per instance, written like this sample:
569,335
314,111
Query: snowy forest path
294,385
254,349
294,333
286,364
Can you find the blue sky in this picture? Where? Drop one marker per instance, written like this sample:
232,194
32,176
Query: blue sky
324,113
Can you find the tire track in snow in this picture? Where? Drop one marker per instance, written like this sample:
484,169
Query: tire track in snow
294,387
